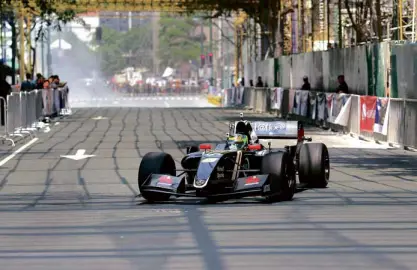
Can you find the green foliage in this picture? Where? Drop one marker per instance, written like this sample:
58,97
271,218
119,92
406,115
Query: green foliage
115,46
179,40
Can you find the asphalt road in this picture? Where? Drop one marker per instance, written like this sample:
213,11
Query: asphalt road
57,213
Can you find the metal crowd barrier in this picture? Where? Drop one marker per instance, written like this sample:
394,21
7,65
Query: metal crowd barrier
399,130
22,112
153,90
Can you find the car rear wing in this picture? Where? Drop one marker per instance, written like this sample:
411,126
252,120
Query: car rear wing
278,129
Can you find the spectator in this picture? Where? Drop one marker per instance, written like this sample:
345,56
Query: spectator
251,83
260,82
306,84
27,85
39,82
343,87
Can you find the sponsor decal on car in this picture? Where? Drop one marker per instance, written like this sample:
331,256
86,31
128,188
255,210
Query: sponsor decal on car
252,180
209,160
165,180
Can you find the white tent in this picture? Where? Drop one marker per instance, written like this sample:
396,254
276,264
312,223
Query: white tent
168,72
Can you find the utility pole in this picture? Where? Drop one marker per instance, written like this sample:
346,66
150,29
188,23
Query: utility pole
339,23
211,51
14,45
48,53
202,44
130,20
22,42
155,42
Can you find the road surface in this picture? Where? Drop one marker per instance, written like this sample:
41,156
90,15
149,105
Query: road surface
58,213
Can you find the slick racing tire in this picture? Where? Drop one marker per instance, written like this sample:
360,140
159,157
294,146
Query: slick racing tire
314,165
155,163
281,176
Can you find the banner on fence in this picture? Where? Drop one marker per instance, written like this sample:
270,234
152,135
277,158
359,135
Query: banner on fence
291,99
239,95
321,107
329,107
297,103
276,98
304,103
344,113
312,96
368,108
381,116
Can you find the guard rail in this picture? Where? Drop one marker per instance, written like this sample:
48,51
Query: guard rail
390,120
22,113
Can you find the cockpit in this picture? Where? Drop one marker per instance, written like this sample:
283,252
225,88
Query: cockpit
237,142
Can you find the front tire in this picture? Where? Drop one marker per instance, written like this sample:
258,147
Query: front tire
281,176
155,163
314,165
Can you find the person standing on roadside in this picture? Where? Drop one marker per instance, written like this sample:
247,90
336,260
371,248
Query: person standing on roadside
27,85
306,84
343,87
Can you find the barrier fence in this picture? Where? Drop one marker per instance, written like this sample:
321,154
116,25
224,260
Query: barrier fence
23,113
391,120
164,90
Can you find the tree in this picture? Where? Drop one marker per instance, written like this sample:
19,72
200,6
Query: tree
367,20
119,50
39,14
179,40
268,14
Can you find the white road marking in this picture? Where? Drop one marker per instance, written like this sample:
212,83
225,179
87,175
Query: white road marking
23,147
79,155
57,123
166,104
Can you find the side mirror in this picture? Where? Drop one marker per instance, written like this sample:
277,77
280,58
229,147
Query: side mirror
254,147
205,146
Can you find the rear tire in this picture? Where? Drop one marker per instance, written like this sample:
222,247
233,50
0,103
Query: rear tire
281,176
155,163
314,165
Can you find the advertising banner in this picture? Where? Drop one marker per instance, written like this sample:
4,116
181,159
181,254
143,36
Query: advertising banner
381,116
239,95
297,103
291,100
368,110
321,106
344,113
312,105
304,101
329,108
276,98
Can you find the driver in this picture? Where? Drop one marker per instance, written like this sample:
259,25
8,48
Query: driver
238,142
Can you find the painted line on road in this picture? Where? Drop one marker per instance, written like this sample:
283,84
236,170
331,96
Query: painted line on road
166,104
23,147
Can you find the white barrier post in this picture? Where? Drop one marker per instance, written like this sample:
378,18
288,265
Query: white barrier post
23,123
4,113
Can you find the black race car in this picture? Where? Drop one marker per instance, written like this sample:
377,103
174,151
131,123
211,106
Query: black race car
240,167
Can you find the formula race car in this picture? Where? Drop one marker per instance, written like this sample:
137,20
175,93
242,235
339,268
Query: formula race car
239,167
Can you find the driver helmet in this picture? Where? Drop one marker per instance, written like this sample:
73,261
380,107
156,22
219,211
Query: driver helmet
239,140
